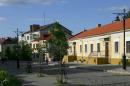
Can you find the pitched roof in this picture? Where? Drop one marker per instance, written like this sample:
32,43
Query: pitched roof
112,27
47,26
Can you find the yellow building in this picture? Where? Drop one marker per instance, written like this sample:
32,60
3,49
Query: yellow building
100,45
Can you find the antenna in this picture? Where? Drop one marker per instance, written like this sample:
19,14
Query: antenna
44,16
123,14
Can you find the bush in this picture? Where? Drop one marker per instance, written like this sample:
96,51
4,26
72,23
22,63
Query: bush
8,80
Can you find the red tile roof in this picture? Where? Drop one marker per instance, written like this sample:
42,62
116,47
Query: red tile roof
112,27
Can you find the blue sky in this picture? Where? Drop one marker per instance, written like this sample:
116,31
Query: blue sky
76,15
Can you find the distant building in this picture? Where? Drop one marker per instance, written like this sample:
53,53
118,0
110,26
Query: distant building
1,43
100,45
37,34
37,31
7,43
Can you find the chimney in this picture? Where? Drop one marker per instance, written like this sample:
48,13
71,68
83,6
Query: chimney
34,27
99,25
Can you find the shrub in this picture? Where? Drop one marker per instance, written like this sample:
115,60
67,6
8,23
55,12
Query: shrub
8,80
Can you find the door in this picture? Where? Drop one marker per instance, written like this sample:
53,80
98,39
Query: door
106,49
74,44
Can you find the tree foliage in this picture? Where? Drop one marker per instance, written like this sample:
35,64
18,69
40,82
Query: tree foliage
22,51
128,14
26,51
8,52
58,43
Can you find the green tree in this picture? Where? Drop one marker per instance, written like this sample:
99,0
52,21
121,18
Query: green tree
8,52
26,52
58,42
58,47
15,53
128,14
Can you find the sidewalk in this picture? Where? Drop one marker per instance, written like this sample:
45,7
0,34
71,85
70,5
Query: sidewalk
120,71
117,69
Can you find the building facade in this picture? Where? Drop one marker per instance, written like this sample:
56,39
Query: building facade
100,45
37,35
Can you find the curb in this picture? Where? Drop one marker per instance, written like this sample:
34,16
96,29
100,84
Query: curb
119,72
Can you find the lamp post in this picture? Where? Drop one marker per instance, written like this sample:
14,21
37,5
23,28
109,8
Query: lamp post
124,54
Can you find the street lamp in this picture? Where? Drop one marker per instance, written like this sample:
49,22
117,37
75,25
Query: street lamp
124,54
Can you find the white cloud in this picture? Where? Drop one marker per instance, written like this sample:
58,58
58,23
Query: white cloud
44,2
115,8
2,18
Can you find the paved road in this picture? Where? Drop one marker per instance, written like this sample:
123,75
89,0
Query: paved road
78,75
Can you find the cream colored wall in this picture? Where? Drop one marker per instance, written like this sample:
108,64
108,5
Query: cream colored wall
88,41
94,41
119,37
78,43
114,37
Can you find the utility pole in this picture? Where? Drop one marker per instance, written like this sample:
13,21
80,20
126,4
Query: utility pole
123,15
17,33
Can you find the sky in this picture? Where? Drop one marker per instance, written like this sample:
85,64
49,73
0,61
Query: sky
75,15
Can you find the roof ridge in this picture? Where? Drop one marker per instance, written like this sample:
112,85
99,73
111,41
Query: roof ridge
110,27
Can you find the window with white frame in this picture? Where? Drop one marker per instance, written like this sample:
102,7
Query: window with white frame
91,47
33,45
27,37
85,48
98,47
127,46
70,49
116,47
31,37
80,48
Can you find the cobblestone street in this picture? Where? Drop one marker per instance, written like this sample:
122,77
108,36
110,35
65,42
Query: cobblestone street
78,75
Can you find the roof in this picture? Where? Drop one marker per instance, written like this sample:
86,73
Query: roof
2,40
8,40
47,26
112,27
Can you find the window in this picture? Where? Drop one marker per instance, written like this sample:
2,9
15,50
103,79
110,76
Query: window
35,36
33,45
31,37
80,48
70,49
85,47
98,47
127,46
116,47
27,37
91,48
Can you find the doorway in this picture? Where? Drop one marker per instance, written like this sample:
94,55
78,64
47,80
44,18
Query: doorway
106,49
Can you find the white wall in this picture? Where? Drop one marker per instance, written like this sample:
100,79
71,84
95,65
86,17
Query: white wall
24,38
